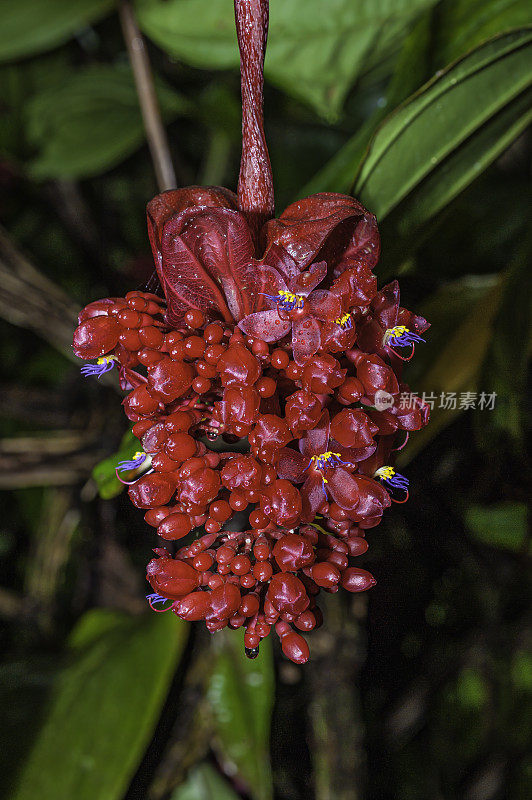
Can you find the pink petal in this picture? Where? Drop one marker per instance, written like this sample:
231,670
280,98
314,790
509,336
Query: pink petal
266,325
291,465
308,280
314,496
271,281
325,305
316,441
352,454
306,339
343,488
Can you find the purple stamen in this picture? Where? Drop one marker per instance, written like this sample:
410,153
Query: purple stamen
404,339
398,482
286,300
155,598
137,461
103,365
392,478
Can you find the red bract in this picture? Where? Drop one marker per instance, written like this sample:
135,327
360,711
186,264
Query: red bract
253,389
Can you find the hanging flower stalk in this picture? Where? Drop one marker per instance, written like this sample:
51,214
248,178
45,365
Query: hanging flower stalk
251,387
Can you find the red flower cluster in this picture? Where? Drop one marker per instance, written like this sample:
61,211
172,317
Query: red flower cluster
262,402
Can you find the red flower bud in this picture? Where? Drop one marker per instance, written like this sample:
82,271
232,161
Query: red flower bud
174,526
287,593
281,502
241,472
322,374
170,379
238,365
225,601
293,552
198,486
95,337
353,428
295,648
268,436
325,574
194,606
171,578
152,490
357,580
302,411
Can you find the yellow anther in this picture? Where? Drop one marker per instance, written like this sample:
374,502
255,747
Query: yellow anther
105,359
139,454
343,320
290,297
385,472
397,331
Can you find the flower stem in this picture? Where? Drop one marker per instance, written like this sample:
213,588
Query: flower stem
255,182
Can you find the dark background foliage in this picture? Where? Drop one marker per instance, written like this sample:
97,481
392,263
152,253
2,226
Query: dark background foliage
421,689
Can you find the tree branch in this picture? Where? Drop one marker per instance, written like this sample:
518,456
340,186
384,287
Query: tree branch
30,300
149,105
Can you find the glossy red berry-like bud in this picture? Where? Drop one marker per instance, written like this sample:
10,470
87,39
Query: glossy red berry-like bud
225,601
193,347
151,490
279,359
170,379
140,403
240,565
295,648
269,435
213,333
241,472
287,593
302,410
180,446
306,621
325,574
292,552
171,578
195,318
179,421
238,365
322,374
357,580
353,428
175,526
95,337
194,606
262,571
375,374
281,502
357,545
266,387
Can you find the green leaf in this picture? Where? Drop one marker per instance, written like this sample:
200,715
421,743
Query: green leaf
503,525
204,783
315,50
463,24
33,26
91,122
104,707
241,695
421,139
339,173
104,473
